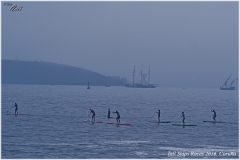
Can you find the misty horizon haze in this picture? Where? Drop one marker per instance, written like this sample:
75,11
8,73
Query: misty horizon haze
186,44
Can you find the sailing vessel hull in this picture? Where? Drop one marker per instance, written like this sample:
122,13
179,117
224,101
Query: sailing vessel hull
144,83
140,86
230,88
225,86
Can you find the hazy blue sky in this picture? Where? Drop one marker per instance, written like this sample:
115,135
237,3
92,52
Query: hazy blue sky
187,44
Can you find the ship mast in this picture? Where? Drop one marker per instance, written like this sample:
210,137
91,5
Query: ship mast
232,82
149,75
225,84
133,74
141,74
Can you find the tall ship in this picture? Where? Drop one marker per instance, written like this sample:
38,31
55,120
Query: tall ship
143,82
225,86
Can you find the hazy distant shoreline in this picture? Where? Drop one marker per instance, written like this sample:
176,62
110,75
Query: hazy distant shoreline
46,73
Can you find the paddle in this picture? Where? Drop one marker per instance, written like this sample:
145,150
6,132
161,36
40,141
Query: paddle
151,117
88,112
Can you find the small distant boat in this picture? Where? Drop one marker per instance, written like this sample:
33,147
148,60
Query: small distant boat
88,86
225,86
143,83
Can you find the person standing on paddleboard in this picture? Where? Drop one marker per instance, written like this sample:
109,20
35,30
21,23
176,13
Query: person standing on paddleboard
109,114
16,108
93,114
118,116
158,112
183,117
214,115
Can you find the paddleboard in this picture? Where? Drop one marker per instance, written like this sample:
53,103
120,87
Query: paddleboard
124,124
15,114
178,124
92,121
214,121
159,122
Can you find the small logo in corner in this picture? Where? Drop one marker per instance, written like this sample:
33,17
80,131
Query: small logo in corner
15,8
7,4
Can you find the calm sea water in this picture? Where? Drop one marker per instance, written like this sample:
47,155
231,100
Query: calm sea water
53,126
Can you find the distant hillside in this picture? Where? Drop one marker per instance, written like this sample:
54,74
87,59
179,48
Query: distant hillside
32,72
